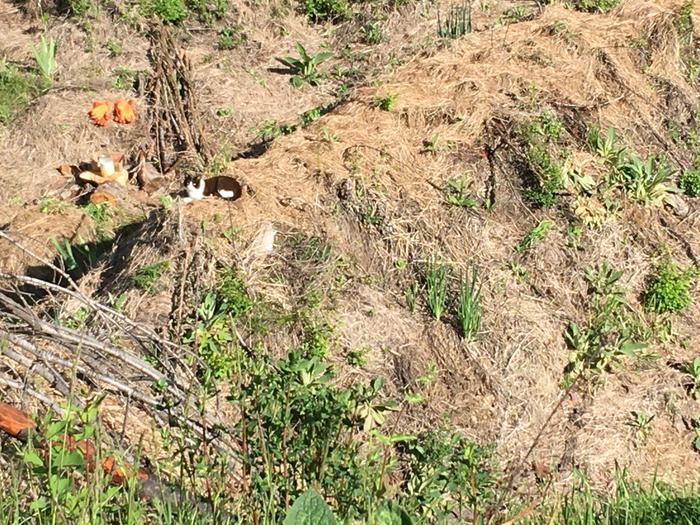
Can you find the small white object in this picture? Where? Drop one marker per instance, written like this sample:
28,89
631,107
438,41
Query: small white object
106,165
195,192
226,194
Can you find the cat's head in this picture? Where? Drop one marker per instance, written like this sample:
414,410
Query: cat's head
193,182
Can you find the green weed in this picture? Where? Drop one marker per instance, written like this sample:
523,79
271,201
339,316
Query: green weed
372,32
457,193
231,38
609,334
17,89
647,181
114,47
668,290
547,172
271,129
172,11
386,102
606,147
326,10
535,235
457,23
693,370
689,182
594,6
436,287
146,277
641,420
469,305
305,67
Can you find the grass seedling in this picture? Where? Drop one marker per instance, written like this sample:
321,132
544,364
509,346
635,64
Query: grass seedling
469,305
45,56
436,287
305,67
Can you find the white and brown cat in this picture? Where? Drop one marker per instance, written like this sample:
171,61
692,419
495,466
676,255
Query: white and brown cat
221,186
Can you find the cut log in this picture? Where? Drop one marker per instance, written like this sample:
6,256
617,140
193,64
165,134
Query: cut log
110,192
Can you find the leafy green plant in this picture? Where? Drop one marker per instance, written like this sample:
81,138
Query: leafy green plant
124,78
326,10
386,102
646,181
457,23
641,420
606,147
693,370
548,182
231,38
114,47
668,290
172,11
689,182
45,57
595,6
372,32
436,287
535,235
271,129
469,305
608,335
305,67
457,193
147,276
311,509
515,14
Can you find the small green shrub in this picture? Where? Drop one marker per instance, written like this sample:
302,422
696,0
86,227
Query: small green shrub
173,11
372,32
230,38
326,10
609,334
595,6
668,289
457,193
689,182
305,68
386,102
549,178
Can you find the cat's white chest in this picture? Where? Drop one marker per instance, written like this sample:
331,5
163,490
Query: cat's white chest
195,192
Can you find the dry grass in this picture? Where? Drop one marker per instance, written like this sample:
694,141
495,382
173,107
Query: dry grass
503,386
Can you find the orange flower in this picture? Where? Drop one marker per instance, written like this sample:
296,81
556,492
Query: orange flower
124,111
101,112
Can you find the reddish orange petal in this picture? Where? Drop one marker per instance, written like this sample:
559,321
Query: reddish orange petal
124,111
101,112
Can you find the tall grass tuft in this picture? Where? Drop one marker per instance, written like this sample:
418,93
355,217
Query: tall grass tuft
436,287
469,304
458,22
45,56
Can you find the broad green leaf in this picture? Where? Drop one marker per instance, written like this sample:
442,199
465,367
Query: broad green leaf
391,514
33,458
39,504
309,509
